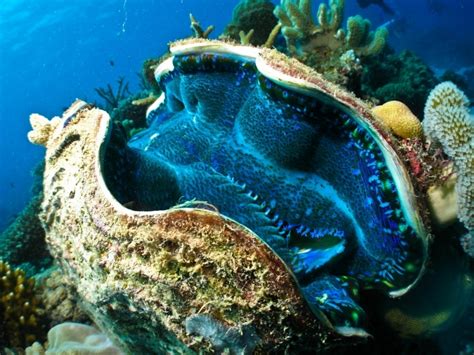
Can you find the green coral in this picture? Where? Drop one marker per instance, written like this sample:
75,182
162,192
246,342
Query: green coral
364,42
125,109
147,76
252,15
449,123
199,32
324,44
22,243
302,33
402,77
20,311
131,112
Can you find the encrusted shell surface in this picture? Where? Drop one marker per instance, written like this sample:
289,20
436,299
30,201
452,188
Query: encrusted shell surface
140,275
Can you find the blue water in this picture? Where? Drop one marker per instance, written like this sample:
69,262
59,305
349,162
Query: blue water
52,52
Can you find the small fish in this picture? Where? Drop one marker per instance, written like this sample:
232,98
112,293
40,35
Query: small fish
111,62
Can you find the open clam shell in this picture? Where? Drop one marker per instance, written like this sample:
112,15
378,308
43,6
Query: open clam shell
247,269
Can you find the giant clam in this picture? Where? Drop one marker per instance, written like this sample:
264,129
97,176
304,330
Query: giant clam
261,199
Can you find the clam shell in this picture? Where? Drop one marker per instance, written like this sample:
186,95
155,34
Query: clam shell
142,275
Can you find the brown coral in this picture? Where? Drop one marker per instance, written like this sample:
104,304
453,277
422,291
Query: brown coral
148,73
199,32
19,308
59,298
323,44
252,15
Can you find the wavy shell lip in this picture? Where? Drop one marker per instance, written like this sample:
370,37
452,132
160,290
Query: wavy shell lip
296,76
191,46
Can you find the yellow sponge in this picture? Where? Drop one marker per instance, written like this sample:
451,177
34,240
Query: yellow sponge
398,117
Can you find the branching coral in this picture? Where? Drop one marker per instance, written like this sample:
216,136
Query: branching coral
131,112
199,32
321,44
111,97
301,33
246,38
252,15
449,123
19,308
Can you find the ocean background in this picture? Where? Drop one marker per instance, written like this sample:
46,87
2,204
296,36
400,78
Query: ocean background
52,52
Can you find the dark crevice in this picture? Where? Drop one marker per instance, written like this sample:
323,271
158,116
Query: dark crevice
68,140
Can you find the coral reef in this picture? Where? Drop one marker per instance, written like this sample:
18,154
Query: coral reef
253,18
75,338
59,298
22,243
42,128
199,32
321,44
402,77
399,119
127,110
113,97
148,74
428,165
19,308
131,112
448,122
432,169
